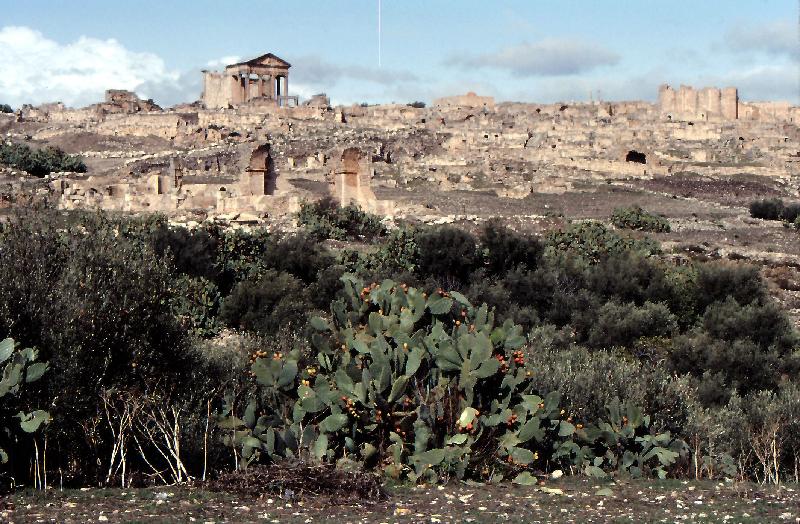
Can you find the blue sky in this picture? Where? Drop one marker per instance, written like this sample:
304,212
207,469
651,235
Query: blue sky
527,50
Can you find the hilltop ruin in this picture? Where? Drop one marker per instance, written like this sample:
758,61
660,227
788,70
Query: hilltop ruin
248,149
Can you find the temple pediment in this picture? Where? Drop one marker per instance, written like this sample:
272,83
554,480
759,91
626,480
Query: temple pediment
268,60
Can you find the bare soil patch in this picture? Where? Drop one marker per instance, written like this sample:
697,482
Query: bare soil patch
565,500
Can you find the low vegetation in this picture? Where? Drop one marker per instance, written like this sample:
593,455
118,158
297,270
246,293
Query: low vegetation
635,217
5,108
775,209
326,219
431,354
39,162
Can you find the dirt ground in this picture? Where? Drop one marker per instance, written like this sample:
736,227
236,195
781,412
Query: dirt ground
565,500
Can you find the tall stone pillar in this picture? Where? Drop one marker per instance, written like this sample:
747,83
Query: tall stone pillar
730,103
260,85
234,88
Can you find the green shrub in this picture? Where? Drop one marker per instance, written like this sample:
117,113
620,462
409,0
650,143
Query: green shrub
194,252
100,307
446,253
758,433
239,255
273,301
326,219
767,209
765,325
635,217
39,162
504,250
398,254
791,213
630,277
590,380
591,241
622,324
718,280
5,108
723,366
197,305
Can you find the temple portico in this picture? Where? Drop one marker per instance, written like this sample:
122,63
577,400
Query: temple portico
265,77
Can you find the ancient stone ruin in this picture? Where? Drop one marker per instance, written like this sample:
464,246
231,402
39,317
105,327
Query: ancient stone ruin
351,174
248,149
262,79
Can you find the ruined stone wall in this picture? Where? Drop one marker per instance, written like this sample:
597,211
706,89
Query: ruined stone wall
216,90
713,104
468,100
768,111
688,103
350,180
165,125
57,113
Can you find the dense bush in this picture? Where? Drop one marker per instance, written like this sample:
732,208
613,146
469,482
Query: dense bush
5,108
197,305
299,254
631,277
504,250
39,162
718,280
592,241
273,301
765,325
637,218
774,209
446,253
99,307
326,219
620,325
398,255
791,212
132,315
590,380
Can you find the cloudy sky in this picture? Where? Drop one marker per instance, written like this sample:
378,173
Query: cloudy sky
526,50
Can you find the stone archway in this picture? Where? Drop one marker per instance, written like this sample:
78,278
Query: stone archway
262,171
351,160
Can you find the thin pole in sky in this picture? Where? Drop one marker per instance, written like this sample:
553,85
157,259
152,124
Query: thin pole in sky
379,33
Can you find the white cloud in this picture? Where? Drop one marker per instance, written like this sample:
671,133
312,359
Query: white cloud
36,69
224,61
548,57
762,82
315,70
774,39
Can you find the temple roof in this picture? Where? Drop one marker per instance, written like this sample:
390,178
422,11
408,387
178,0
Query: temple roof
267,59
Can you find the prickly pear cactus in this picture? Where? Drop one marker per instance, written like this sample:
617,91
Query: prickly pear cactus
424,386
19,367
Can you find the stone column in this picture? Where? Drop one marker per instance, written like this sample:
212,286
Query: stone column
260,85
234,88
